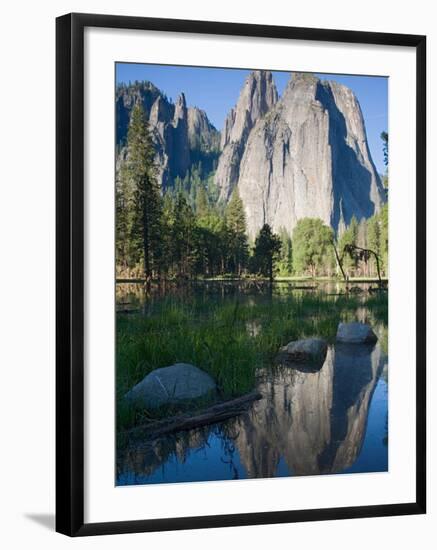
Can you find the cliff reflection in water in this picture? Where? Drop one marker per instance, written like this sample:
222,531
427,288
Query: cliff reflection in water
308,423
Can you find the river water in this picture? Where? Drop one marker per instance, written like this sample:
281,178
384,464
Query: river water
331,421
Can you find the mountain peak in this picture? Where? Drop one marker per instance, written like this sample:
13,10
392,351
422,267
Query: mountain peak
310,159
201,133
180,111
305,77
257,97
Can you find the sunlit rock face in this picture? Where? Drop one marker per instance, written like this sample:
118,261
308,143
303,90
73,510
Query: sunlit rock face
306,156
291,422
257,97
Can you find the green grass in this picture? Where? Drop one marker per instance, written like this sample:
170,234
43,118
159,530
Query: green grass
230,338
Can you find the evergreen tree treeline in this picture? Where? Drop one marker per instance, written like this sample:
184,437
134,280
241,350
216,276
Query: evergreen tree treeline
186,234
138,201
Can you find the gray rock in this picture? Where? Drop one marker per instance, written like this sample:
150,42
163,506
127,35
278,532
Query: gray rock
202,135
304,155
257,97
180,159
177,130
355,333
169,385
307,156
306,350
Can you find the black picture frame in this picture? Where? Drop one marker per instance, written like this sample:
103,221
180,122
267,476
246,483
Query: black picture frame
70,273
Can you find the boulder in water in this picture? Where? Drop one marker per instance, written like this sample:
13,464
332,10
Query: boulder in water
306,350
355,333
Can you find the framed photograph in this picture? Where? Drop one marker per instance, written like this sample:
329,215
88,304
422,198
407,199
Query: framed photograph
240,274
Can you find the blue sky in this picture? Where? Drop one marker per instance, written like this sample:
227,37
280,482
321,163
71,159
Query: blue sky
217,90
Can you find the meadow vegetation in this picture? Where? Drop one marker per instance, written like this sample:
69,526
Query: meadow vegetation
232,339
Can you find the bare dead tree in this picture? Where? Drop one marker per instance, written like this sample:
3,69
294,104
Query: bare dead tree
339,261
357,253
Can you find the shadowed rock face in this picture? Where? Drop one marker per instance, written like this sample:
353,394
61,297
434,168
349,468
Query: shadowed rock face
356,371
179,132
180,159
306,156
201,133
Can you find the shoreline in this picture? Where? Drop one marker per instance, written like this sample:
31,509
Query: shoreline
355,280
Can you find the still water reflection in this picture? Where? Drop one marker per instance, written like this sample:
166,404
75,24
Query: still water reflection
330,421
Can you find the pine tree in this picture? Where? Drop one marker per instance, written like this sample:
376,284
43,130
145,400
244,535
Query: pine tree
139,175
123,211
183,236
285,262
266,252
167,243
202,203
236,223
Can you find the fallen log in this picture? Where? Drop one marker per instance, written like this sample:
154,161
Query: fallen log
216,413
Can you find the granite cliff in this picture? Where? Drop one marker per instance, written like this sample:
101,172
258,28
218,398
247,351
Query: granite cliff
181,135
257,97
304,155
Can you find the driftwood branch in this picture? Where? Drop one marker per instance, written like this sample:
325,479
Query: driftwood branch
211,415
